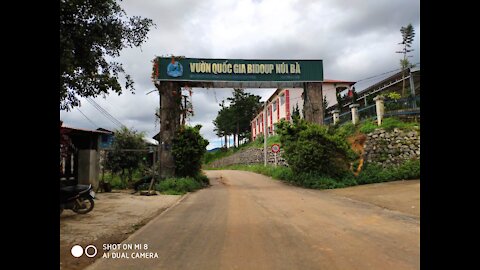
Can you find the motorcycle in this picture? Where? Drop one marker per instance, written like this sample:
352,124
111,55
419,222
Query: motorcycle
78,198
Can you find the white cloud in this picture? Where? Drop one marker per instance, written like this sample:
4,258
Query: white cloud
355,39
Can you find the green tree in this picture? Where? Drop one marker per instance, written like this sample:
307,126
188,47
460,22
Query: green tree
235,119
124,162
245,106
408,34
339,101
325,105
354,96
296,114
91,31
224,125
188,150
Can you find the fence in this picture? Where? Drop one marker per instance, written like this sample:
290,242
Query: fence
369,112
404,107
328,120
345,117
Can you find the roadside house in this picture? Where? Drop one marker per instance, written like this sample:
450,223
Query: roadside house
79,155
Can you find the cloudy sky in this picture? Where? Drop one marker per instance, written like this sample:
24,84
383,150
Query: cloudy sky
355,39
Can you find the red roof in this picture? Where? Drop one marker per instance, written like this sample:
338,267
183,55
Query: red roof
337,81
86,130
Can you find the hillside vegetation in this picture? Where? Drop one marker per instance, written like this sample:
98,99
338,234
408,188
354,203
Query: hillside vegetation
324,157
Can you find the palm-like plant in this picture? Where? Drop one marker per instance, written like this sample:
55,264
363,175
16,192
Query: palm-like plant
408,33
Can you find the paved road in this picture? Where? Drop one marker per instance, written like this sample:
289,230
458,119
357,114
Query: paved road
248,221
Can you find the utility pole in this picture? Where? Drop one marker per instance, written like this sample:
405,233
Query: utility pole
412,90
265,134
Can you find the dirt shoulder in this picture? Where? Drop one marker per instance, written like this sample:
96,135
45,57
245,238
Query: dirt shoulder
403,196
116,215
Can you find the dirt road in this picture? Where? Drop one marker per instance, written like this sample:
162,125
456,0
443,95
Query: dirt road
248,221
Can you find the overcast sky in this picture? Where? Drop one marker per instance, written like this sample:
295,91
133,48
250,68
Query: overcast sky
355,39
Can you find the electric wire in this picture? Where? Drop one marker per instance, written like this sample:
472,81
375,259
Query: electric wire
105,113
87,118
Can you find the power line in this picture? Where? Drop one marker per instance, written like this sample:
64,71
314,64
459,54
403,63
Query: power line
102,113
375,76
87,118
105,113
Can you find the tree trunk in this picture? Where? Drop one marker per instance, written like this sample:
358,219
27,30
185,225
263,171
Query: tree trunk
170,98
238,132
313,103
225,137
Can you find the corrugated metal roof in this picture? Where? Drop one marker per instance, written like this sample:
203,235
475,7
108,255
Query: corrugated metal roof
150,141
85,130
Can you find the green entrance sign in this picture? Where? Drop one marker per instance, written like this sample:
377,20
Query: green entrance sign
236,70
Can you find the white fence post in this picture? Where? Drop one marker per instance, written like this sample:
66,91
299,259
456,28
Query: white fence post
336,116
380,106
354,108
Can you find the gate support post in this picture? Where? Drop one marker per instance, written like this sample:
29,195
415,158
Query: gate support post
313,102
170,98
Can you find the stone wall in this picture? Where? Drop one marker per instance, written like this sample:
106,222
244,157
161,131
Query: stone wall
391,148
249,156
382,147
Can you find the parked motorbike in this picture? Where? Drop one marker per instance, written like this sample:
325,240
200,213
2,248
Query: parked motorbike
78,198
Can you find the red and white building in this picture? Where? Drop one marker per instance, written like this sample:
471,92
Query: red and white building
283,101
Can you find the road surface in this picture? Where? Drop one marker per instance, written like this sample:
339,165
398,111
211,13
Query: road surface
249,221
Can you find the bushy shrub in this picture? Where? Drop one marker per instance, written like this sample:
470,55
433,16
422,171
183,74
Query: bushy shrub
188,150
202,179
345,130
311,148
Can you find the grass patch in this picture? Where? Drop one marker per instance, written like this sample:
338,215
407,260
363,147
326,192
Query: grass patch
374,173
258,143
368,126
180,186
117,183
388,124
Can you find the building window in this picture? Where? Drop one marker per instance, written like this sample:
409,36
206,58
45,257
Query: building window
282,99
268,112
274,106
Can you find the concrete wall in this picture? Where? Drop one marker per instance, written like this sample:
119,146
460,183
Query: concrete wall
329,91
88,167
295,97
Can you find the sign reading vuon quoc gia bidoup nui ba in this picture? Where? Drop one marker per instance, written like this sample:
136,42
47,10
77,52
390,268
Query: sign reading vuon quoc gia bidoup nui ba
202,69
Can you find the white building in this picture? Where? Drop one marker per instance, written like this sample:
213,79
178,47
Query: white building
283,101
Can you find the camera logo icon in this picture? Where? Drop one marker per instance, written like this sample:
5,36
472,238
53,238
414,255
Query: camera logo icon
90,251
